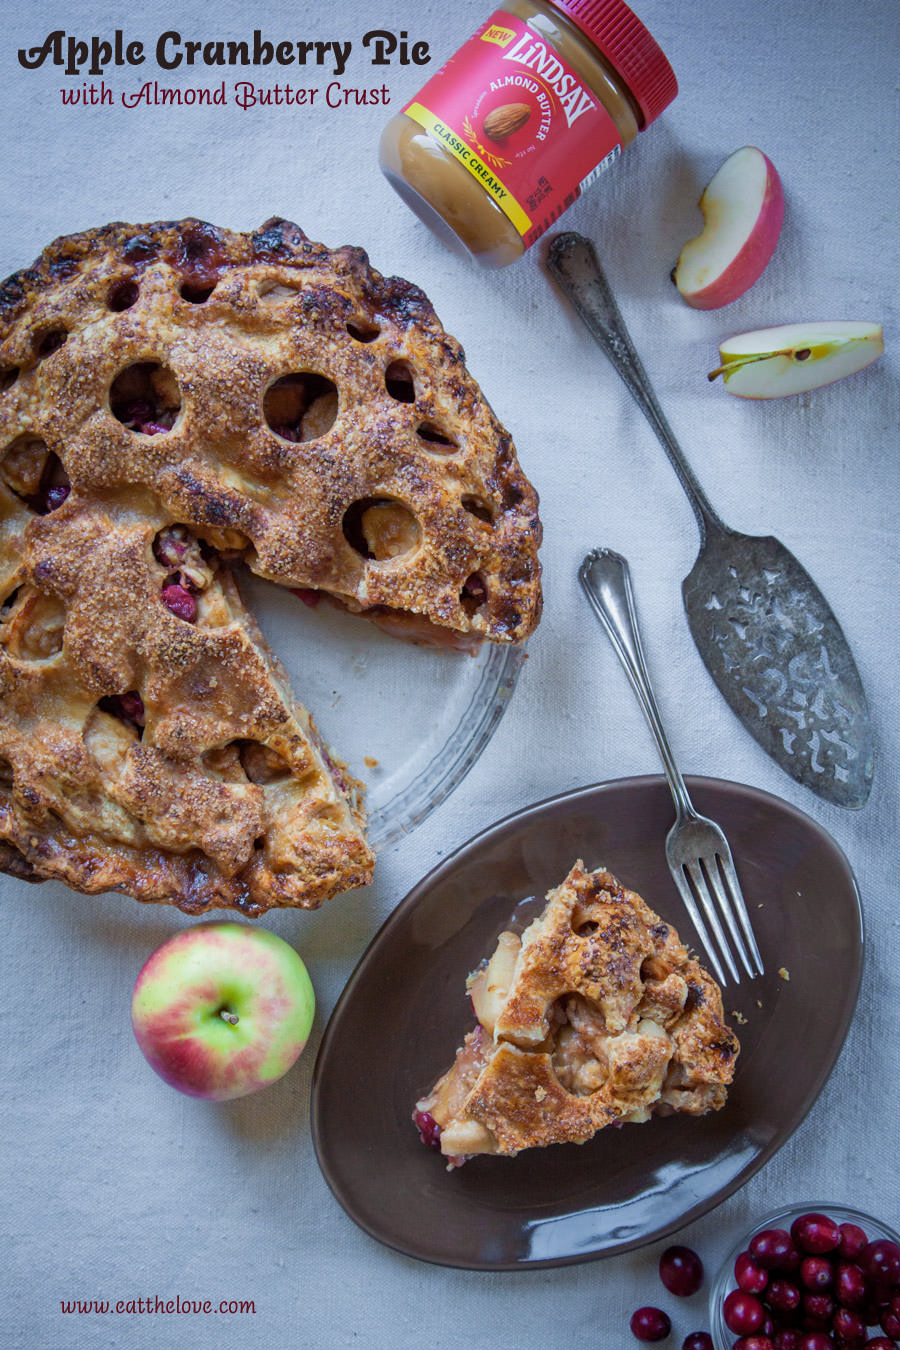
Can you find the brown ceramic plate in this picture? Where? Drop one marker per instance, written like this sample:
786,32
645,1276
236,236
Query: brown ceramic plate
398,1022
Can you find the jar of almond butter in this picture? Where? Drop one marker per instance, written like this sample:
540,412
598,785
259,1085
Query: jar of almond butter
527,114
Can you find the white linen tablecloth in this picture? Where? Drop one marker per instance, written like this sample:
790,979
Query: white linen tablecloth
115,1186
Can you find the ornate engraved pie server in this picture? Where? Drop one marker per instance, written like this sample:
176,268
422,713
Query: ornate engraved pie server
764,629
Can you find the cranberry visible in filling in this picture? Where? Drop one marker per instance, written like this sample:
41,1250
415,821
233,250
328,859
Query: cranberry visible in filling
129,707
308,596
429,1129
473,594
55,496
180,602
145,398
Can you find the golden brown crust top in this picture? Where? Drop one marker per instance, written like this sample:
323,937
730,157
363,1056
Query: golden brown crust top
380,409
143,752
606,1019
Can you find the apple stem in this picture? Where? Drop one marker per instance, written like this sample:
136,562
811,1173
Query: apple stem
229,1017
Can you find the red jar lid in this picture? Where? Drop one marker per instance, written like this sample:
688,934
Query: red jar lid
627,45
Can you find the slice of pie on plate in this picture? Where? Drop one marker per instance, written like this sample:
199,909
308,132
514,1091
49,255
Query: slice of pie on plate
175,398
595,1016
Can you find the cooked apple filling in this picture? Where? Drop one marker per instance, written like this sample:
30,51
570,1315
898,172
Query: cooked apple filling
595,1016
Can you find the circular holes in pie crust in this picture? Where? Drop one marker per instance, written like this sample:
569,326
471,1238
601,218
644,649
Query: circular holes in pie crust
301,406
400,382
145,398
275,292
363,330
34,626
49,341
478,507
381,529
122,295
196,292
474,594
35,474
436,440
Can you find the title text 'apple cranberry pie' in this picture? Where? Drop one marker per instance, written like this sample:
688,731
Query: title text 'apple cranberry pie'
595,1016
174,399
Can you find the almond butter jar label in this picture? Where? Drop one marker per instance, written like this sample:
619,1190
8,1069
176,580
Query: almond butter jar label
520,120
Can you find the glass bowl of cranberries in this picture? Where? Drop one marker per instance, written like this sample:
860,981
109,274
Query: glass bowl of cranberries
810,1277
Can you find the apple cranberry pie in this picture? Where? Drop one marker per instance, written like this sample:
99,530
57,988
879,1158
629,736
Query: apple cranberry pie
175,398
595,1016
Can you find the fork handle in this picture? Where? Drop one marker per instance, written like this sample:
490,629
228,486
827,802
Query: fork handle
606,580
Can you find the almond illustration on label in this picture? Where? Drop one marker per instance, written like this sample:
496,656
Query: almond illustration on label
503,121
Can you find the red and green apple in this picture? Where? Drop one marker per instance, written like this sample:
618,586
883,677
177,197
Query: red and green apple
743,210
795,357
222,1009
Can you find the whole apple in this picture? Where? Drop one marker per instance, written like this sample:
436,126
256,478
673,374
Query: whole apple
222,1009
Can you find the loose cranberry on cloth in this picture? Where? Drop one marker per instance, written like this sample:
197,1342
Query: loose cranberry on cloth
681,1271
650,1324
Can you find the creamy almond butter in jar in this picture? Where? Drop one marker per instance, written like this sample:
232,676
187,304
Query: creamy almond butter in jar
527,114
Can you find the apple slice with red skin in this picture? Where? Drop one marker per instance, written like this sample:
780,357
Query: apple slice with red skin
743,210
222,1009
795,357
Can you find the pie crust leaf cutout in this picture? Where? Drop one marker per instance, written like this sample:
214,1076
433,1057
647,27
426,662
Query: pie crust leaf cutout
595,1016
176,398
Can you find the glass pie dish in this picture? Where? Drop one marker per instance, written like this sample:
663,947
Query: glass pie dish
410,721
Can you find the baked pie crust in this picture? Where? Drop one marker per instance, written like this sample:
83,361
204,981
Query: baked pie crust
595,1016
175,398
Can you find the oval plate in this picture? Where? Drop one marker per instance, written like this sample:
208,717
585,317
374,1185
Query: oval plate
403,1013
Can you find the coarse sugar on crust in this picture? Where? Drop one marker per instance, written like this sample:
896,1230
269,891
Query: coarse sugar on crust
176,398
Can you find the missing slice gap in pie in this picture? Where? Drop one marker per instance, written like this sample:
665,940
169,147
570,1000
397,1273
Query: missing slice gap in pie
175,399
595,1016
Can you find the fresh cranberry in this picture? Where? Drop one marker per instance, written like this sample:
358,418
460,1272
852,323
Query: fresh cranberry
152,429
881,1261
850,1285
816,1273
754,1343
890,1318
815,1233
681,1271
743,1313
180,602
849,1329
881,1343
749,1276
429,1129
853,1239
788,1338
815,1340
871,1313
698,1340
650,1324
818,1309
783,1296
771,1248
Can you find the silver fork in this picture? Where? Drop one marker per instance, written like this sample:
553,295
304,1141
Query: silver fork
696,849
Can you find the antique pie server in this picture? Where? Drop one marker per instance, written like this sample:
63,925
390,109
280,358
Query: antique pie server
762,626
